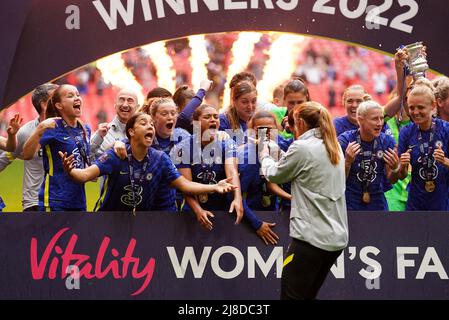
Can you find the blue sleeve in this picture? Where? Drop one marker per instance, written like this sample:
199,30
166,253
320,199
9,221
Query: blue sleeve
387,130
284,143
47,137
224,122
89,131
185,117
247,172
446,132
169,171
343,140
252,218
230,148
337,126
403,140
107,162
390,142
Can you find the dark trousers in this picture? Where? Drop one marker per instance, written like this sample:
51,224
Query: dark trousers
303,276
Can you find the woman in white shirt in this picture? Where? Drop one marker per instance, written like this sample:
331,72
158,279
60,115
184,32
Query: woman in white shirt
315,166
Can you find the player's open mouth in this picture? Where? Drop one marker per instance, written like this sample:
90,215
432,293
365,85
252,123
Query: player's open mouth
169,125
149,136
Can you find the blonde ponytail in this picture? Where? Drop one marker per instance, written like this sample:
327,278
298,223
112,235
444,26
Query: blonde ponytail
316,116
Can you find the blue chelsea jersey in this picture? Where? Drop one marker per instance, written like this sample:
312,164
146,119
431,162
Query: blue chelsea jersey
166,197
59,192
377,177
419,198
117,193
284,144
240,136
253,185
208,167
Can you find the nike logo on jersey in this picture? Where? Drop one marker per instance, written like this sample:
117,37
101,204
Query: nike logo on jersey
66,138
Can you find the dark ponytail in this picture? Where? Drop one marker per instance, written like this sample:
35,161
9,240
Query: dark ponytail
52,111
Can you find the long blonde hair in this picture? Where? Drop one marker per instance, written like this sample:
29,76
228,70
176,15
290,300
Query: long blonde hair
316,116
441,86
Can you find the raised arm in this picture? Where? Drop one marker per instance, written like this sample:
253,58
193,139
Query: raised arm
282,171
394,105
32,145
14,126
97,140
185,117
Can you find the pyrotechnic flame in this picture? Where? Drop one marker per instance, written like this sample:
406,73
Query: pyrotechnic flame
199,58
283,54
114,71
242,51
165,72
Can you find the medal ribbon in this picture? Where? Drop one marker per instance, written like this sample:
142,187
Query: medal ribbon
426,155
367,169
82,147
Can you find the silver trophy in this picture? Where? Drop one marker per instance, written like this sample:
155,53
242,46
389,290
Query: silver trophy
417,62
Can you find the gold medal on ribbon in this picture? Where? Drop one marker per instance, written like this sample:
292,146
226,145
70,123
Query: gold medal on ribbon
266,201
366,198
430,186
203,198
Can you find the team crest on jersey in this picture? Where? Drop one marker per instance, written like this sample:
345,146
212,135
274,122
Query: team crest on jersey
149,176
380,154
